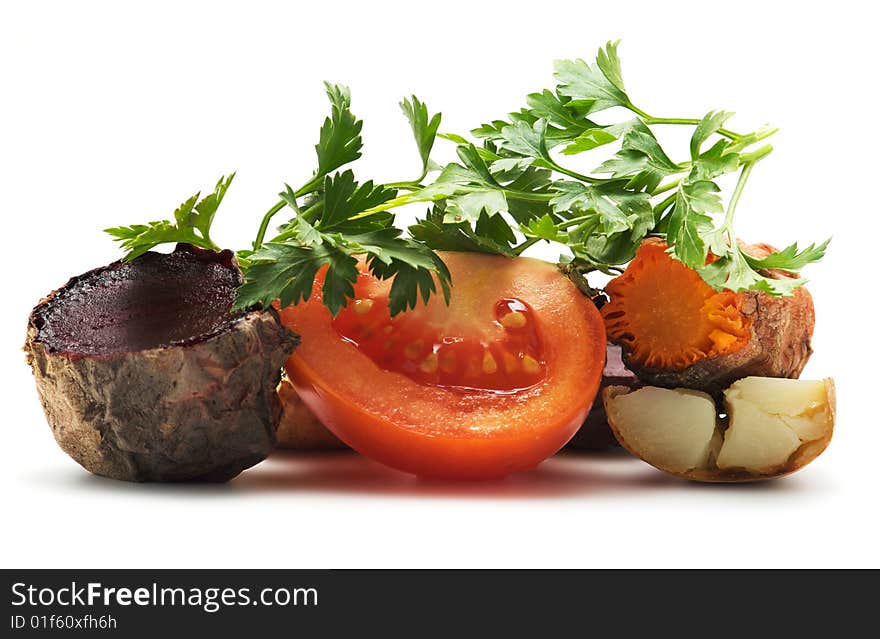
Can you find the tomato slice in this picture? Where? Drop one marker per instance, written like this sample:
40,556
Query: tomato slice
492,384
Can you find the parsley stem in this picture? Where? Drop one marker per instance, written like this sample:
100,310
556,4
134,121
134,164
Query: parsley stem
528,197
313,211
522,247
264,224
575,175
575,221
658,210
309,187
666,187
734,199
756,155
649,119
415,185
562,225
692,122
312,185
751,138
749,161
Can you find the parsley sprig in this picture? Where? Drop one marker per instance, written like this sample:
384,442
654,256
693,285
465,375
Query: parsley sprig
192,225
332,224
336,221
517,179
511,188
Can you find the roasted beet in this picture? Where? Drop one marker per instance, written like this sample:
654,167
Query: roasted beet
146,375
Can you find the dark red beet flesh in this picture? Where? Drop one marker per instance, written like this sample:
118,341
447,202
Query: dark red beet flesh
154,301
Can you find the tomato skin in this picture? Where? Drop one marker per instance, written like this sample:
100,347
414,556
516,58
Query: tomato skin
424,455
442,433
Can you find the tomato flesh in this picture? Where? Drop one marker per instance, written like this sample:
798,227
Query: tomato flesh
493,383
504,356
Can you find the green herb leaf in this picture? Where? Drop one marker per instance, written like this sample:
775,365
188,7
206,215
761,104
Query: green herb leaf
689,221
207,207
592,84
344,198
589,140
340,139
280,270
192,225
733,272
528,141
616,210
411,283
566,119
641,159
340,231
542,228
492,235
711,123
609,63
424,128
718,160
789,259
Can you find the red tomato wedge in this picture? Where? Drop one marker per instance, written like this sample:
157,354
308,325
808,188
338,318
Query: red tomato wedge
493,383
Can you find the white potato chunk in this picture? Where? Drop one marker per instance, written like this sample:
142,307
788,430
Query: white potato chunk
755,440
770,419
671,428
781,396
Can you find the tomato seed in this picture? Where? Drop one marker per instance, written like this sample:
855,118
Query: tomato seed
514,319
429,364
531,365
489,364
362,307
510,363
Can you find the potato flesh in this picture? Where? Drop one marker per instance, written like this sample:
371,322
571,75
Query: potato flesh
673,427
755,440
770,419
780,396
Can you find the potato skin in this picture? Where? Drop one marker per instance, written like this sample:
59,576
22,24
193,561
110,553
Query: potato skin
204,411
806,453
298,428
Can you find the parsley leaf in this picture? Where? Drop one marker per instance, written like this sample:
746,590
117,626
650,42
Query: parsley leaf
528,141
600,86
710,124
689,221
566,119
191,225
334,232
732,271
789,259
491,234
340,138
424,129
286,271
641,159
344,198
589,140
609,63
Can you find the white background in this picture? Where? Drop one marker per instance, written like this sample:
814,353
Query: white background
113,114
